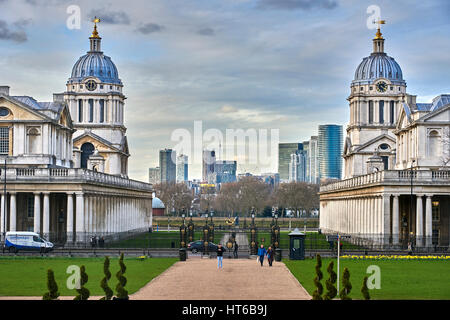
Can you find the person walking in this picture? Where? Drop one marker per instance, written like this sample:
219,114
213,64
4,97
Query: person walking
270,256
220,251
235,251
261,253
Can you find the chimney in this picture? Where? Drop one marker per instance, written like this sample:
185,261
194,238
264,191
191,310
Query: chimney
4,90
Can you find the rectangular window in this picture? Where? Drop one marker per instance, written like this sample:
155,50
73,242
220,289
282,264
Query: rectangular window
80,110
435,238
381,110
4,140
370,112
392,112
435,212
30,206
102,110
91,110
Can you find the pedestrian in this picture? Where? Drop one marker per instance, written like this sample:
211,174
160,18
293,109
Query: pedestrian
410,248
261,253
92,242
235,251
220,251
270,256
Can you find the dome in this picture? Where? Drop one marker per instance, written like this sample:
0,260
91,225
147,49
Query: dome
157,203
95,64
378,65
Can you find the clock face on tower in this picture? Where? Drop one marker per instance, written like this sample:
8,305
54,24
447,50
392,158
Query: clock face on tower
91,85
381,86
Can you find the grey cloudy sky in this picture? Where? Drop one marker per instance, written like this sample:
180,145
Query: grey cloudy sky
283,64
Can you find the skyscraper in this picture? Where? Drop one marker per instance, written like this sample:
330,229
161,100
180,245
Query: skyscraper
167,165
313,160
182,168
297,166
225,171
154,175
209,159
284,158
330,143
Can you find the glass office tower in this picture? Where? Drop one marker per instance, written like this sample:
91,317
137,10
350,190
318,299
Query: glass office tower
330,151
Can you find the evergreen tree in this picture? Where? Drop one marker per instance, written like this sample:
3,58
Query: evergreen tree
330,283
364,289
317,294
121,292
104,283
52,293
83,293
346,285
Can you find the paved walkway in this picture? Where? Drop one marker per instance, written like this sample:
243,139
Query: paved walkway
240,279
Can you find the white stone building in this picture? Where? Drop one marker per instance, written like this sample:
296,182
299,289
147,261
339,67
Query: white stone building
66,161
397,171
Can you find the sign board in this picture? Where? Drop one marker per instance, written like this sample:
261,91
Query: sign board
334,237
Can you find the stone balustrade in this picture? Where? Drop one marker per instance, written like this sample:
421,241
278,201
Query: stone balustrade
388,177
77,175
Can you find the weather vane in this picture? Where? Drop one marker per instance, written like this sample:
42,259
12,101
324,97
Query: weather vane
378,34
95,33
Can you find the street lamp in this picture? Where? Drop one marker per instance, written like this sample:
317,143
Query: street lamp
411,195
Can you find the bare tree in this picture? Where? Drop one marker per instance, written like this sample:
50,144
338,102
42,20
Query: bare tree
175,196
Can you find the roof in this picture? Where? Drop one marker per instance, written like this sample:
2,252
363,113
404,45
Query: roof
157,203
378,65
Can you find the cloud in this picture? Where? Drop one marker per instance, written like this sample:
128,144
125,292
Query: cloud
150,28
206,32
7,34
110,17
297,4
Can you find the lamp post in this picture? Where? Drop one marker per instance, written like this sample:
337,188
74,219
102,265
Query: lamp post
411,195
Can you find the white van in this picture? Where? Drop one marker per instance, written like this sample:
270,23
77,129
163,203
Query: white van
16,241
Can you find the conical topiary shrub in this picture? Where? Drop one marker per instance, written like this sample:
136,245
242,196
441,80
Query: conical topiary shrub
120,288
365,290
346,285
52,293
317,294
104,283
83,293
330,283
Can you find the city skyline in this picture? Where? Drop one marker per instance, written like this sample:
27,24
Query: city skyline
230,56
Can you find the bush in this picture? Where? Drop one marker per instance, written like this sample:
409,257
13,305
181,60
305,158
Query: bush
364,289
330,283
121,292
104,283
317,294
83,293
346,285
52,293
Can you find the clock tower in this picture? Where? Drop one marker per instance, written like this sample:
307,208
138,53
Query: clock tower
377,93
97,104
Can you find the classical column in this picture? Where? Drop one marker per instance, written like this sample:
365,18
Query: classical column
3,221
12,212
395,220
428,221
69,225
46,217
37,213
419,221
80,228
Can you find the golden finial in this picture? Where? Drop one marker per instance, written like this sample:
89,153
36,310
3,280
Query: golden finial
378,35
95,33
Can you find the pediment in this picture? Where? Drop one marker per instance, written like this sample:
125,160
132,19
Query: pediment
99,143
20,111
374,144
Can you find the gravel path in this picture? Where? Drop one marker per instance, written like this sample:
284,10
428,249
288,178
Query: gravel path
240,279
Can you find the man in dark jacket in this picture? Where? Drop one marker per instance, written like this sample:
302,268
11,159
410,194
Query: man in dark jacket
261,253
235,252
220,251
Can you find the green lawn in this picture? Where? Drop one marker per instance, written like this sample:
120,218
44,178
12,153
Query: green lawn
28,276
399,279
160,239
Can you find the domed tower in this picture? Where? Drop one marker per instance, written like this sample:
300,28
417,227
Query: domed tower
96,102
377,93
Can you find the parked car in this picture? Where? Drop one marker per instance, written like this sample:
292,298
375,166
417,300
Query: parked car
197,246
16,241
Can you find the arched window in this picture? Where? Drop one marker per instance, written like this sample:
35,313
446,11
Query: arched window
87,149
33,137
434,143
